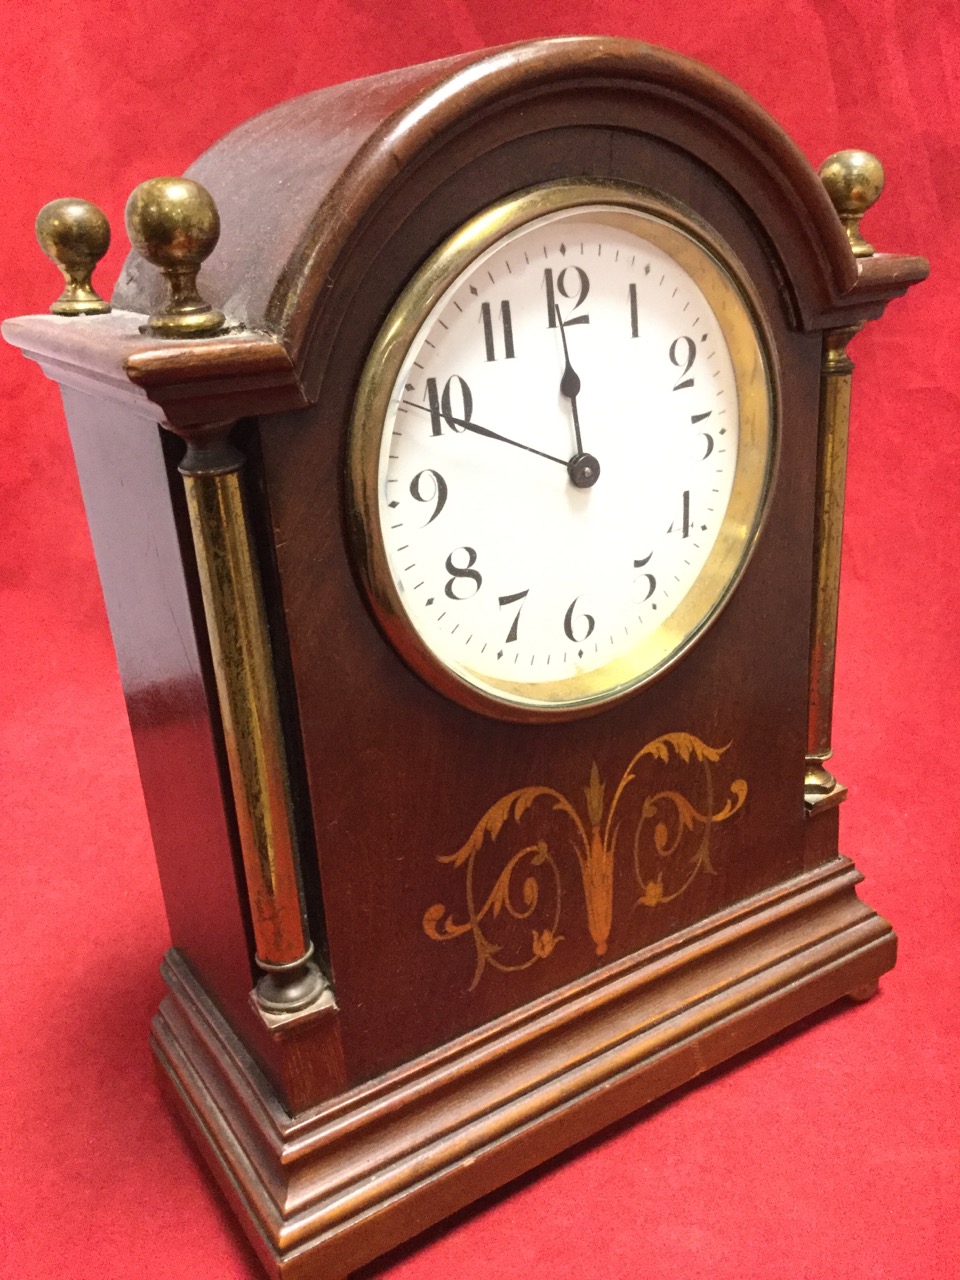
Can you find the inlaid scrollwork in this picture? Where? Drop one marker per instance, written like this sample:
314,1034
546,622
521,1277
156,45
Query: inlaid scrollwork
527,889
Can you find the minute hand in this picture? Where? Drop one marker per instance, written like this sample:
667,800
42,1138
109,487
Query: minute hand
485,431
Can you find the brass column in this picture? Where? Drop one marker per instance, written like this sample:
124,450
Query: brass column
246,685
854,181
836,379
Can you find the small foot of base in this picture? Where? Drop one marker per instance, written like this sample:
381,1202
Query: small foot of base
866,992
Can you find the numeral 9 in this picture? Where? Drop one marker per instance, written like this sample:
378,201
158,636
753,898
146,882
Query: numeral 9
437,492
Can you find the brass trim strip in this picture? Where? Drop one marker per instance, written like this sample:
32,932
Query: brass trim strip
820,786
246,687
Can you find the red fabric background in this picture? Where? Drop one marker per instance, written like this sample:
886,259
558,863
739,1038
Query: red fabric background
830,1153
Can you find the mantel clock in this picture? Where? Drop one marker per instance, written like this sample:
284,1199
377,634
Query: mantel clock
470,539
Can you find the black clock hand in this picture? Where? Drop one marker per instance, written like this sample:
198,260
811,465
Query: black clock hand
485,431
570,383
583,468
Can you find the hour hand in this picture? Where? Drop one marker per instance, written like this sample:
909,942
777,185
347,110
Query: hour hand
583,468
570,382
570,387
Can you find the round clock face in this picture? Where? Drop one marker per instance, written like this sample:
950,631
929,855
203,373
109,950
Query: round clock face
561,450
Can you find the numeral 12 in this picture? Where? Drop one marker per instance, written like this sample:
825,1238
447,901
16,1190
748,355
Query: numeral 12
567,289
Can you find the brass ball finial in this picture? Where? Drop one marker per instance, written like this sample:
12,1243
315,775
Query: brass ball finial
173,223
75,234
854,180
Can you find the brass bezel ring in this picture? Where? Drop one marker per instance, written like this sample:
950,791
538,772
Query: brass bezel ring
725,284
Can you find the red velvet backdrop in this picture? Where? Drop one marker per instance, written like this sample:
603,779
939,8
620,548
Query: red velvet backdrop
833,1152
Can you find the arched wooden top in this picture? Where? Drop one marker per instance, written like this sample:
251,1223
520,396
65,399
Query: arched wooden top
296,184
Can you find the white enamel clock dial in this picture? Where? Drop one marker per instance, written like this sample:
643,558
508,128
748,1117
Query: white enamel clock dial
566,480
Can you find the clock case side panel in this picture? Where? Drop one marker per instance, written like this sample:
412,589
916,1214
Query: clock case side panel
303,459
135,510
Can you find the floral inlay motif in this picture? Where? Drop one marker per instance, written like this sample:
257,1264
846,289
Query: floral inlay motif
652,826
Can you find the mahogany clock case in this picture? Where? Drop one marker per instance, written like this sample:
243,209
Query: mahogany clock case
431,768
329,204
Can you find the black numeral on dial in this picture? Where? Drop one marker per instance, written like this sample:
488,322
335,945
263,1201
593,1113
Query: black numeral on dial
444,409
504,600
702,417
683,352
435,491
462,575
650,578
506,330
684,525
571,283
582,621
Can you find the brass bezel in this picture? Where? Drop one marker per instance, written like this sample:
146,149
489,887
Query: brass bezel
724,282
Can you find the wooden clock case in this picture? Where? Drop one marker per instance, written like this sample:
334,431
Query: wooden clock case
418,1083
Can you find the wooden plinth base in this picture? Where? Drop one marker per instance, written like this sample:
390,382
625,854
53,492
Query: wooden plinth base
325,1191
